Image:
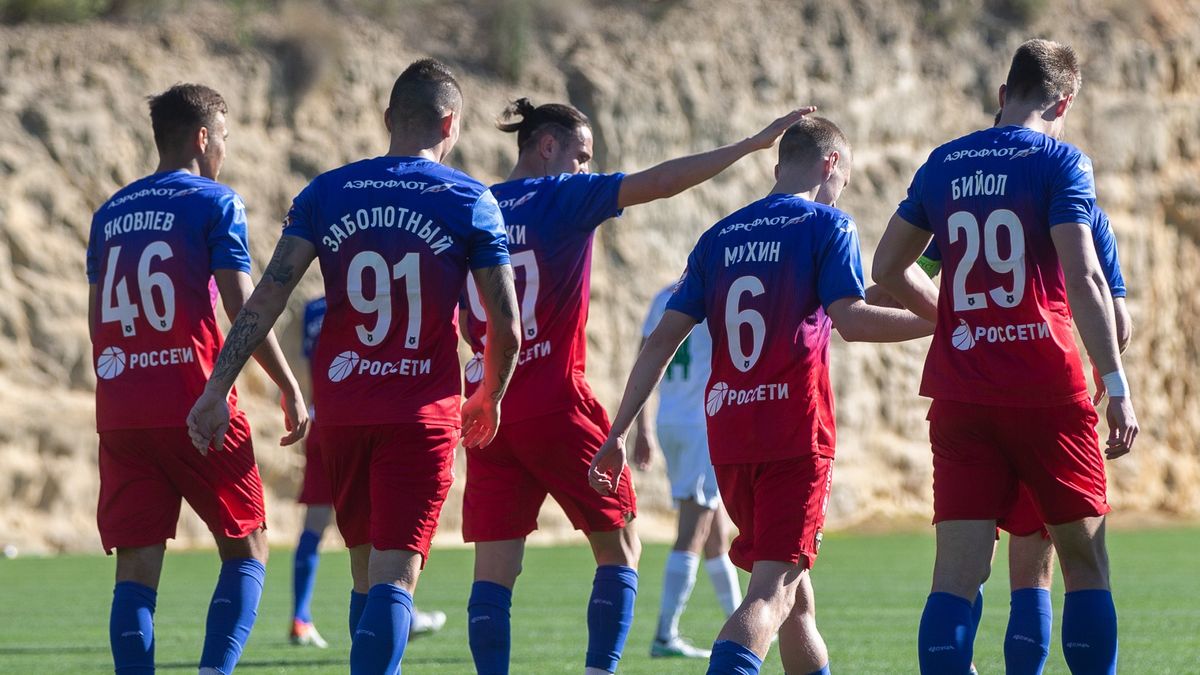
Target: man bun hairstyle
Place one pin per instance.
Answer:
(812, 139)
(1043, 72)
(180, 111)
(423, 94)
(561, 120)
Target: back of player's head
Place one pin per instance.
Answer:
(423, 94)
(559, 119)
(177, 113)
(1043, 72)
(811, 140)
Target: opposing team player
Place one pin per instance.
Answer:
(772, 279)
(1010, 209)
(156, 249)
(553, 424)
(703, 525)
(317, 496)
(395, 236)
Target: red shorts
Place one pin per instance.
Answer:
(389, 482)
(778, 508)
(982, 454)
(316, 489)
(146, 473)
(509, 479)
(1023, 519)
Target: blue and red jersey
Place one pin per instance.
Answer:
(1004, 334)
(551, 224)
(763, 278)
(395, 239)
(151, 252)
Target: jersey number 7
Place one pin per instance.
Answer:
(523, 260)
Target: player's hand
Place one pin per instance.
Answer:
(480, 420)
(765, 139)
(295, 417)
(1101, 390)
(1122, 425)
(208, 421)
(607, 466)
(644, 449)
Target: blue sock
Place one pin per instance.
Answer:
(358, 602)
(232, 612)
(489, 627)
(304, 574)
(382, 632)
(609, 615)
(822, 671)
(1027, 642)
(1089, 632)
(976, 614)
(731, 658)
(943, 641)
(131, 628)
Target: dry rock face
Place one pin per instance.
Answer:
(659, 79)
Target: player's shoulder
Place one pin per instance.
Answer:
(171, 189)
(412, 174)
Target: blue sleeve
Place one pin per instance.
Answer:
(227, 243)
(314, 316)
(300, 220)
(689, 292)
(488, 245)
(585, 200)
(1106, 250)
(1073, 190)
(839, 267)
(93, 255)
(912, 209)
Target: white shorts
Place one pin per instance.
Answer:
(689, 467)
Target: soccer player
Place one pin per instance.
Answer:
(395, 236)
(553, 424)
(317, 496)
(703, 528)
(772, 279)
(156, 250)
(1010, 209)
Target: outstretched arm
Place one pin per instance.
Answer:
(893, 268)
(481, 412)
(856, 321)
(645, 445)
(676, 175)
(235, 288)
(209, 418)
(673, 328)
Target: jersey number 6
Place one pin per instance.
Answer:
(736, 317)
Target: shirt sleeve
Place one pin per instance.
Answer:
(1073, 190)
(839, 271)
(689, 292)
(228, 246)
(588, 199)
(654, 315)
(1106, 249)
(488, 245)
(300, 220)
(314, 316)
(93, 255)
(912, 209)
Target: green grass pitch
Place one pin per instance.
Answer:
(870, 590)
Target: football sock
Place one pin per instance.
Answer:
(725, 582)
(232, 612)
(131, 628)
(609, 615)
(382, 633)
(976, 613)
(1027, 642)
(822, 671)
(304, 574)
(1089, 632)
(731, 658)
(678, 581)
(489, 628)
(358, 602)
(943, 640)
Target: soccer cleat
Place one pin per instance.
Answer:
(305, 634)
(425, 623)
(676, 648)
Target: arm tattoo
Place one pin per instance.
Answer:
(499, 281)
(280, 270)
(245, 336)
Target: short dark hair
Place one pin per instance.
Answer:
(423, 94)
(1043, 72)
(812, 139)
(559, 119)
(178, 112)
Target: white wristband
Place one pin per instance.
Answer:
(1116, 384)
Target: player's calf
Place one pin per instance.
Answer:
(947, 630)
(801, 647)
(234, 606)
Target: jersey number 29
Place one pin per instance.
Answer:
(964, 225)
